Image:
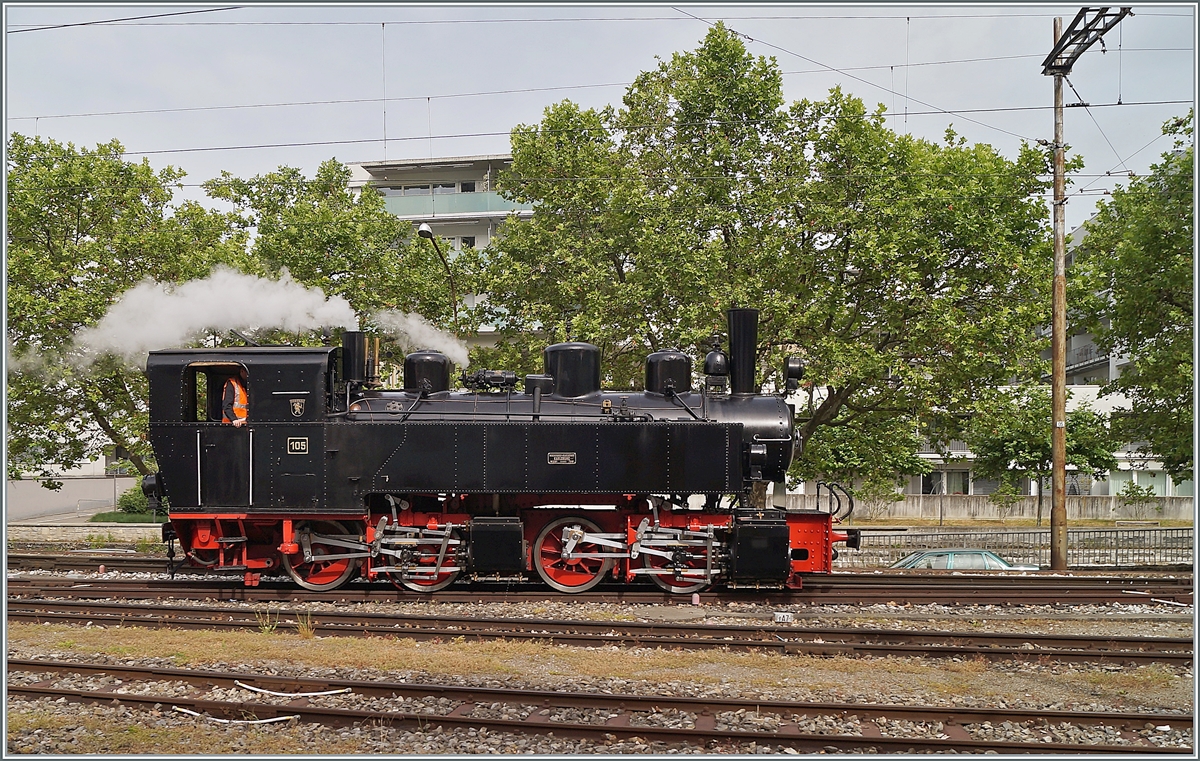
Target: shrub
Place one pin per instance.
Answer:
(133, 501)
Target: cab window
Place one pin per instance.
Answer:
(205, 387)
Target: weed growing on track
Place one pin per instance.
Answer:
(266, 623)
(306, 626)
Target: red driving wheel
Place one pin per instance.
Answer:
(319, 574)
(569, 574)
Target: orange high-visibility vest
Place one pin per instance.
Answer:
(241, 403)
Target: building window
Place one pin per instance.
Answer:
(443, 188)
(931, 483)
(416, 190)
(1079, 484)
(467, 187)
(468, 241)
(957, 482)
(984, 486)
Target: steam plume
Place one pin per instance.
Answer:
(414, 332)
(156, 316)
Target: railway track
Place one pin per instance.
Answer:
(822, 641)
(840, 588)
(807, 727)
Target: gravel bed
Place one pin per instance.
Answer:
(672, 718)
(749, 721)
(1125, 619)
(502, 711)
(396, 741)
(569, 715)
(825, 724)
(856, 693)
(923, 729)
(1044, 731)
(69, 735)
(79, 724)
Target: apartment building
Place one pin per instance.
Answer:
(456, 196)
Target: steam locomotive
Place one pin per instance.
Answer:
(334, 476)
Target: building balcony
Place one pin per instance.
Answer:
(488, 204)
(1085, 357)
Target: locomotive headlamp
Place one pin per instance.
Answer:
(793, 372)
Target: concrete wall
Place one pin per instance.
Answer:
(963, 507)
(107, 533)
(83, 496)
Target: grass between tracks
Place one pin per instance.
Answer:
(97, 736)
(543, 662)
(500, 658)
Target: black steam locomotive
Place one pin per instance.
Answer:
(333, 476)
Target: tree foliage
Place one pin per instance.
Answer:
(1011, 438)
(339, 240)
(84, 226)
(1134, 271)
(910, 275)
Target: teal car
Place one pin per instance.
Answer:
(958, 560)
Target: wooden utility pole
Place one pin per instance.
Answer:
(1089, 25)
(1058, 339)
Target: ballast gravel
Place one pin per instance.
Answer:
(65, 728)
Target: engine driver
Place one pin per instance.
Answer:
(235, 403)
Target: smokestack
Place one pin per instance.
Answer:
(743, 346)
(354, 357)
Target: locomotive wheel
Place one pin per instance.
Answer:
(577, 574)
(442, 581)
(322, 575)
(671, 583)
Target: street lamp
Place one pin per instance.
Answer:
(426, 232)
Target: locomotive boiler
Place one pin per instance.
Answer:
(334, 476)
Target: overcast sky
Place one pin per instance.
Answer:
(250, 88)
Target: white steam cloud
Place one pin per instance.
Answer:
(153, 316)
(414, 332)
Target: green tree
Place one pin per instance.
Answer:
(84, 226)
(1134, 273)
(1011, 439)
(910, 275)
(342, 241)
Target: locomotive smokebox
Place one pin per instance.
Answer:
(668, 369)
(356, 359)
(575, 367)
(743, 347)
(427, 371)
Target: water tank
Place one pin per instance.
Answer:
(668, 368)
(427, 370)
(575, 367)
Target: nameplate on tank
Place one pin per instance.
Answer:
(560, 458)
(297, 445)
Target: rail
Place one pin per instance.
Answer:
(1086, 548)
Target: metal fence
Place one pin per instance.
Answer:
(1086, 548)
